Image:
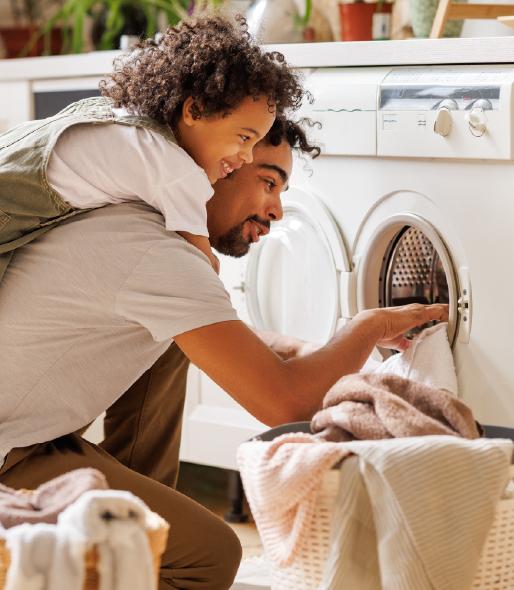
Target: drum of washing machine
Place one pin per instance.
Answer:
(412, 272)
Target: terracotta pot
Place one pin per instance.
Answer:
(15, 39)
(357, 20)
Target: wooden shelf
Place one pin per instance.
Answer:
(448, 10)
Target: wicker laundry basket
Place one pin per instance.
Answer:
(496, 566)
(157, 538)
(495, 571)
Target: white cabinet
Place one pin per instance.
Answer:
(15, 103)
(214, 424)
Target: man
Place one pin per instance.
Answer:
(89, 307)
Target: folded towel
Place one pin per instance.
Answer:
(46, 502)
(429, 504)
(51, 557)
(428, 360)
(115, 522)
(375, 406)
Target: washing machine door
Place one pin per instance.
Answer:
(403, 260)
(293, 276)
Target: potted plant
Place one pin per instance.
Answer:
(22, 38)
(114, 18)
(365, 20)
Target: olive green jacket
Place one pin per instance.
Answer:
(29, 206)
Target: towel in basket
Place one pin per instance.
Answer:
(441, 490)
(105, 539)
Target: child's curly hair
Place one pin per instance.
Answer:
(213, 60)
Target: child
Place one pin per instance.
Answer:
(176, 116)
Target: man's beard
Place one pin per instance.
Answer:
(232, 243)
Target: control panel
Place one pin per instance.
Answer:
(344, 107)
(446, 112)
(421, 112)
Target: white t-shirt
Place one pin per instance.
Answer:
(86, 309)
(95, 165)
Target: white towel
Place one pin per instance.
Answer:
(114, 521)
(253, 571)
(428, 360)
(43, 558)
(414, 513)
(51, 557)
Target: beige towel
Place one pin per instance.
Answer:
(46, 502)
(375, 406)
(417, 510)
(413, 513)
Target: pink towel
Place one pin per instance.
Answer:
(282, 479)
(46, 502)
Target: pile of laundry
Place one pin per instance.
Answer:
(48, 532)
(418, 486)
(409, 394)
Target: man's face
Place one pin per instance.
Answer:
(245, 203)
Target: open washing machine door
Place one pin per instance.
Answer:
(403, 259)
(293, 277)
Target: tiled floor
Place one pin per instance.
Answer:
(208, 486)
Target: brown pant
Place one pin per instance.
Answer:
(140, 454)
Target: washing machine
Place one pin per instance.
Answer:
(412, 200)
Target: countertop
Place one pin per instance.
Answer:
(308, 55)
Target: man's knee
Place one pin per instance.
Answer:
(228, 557)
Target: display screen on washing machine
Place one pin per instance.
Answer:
(428, 89)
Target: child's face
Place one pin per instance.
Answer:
(220, 144)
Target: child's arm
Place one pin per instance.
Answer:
(203, 244)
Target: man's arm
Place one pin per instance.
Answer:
(276, 390)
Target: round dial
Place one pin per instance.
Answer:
(477, 121)
(443, 122)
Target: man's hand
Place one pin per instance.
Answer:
(394, 322)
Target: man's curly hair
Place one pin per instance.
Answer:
(284, 129)
(212, 59)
